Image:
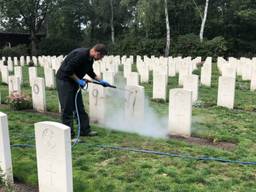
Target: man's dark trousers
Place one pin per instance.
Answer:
(67, 91)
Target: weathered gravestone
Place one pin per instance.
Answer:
(5, 150)
(180, 112)
(38, 95)
(226, 92)
(134, 103)
(54, 159)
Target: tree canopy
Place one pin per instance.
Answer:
(135, 26)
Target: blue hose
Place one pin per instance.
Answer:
(182, 156)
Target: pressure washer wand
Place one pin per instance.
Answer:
(98, 83)
(111, 86)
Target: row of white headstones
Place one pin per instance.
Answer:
(52, 167)
(180, 104)
(53, 152)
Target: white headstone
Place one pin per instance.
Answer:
(5, 150)
(15, 61)
(32, 74)
(28, 60)
(171, 67)
(127, 68)
(22, 61)
(38, 95)
(14, 84)
(4, 74)
(18, 73)
(206, 74)
(191, 84)
(253, 80)
(226, 92)
(49, 77)
(180, 112)
(134, 103)
(184, 70)
(132, 79)
(229, 71)
(10, 64)
(159, 86)
(54, 159)
(144, 73)
(34, 59)
(109, 77)
(97, 104)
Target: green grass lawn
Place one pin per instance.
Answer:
(103, 169)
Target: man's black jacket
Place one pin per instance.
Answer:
(77, 62)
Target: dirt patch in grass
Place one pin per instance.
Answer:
(18, 187)
(205, 142)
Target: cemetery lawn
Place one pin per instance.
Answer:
(103, 169)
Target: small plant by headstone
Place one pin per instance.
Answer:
(19, 101)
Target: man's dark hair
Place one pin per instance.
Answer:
(100, 48)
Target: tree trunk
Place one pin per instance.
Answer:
(168, 38)
(112, 22)
(33, 43)
(201, 35)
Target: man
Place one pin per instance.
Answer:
(69, 77)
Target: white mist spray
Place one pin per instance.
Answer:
(152, 125)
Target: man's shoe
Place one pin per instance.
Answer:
(90, 134)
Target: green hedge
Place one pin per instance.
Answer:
(56, 46)
(17, 51)
(190, 45)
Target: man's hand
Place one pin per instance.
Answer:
(104, 83)
(81, 82)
